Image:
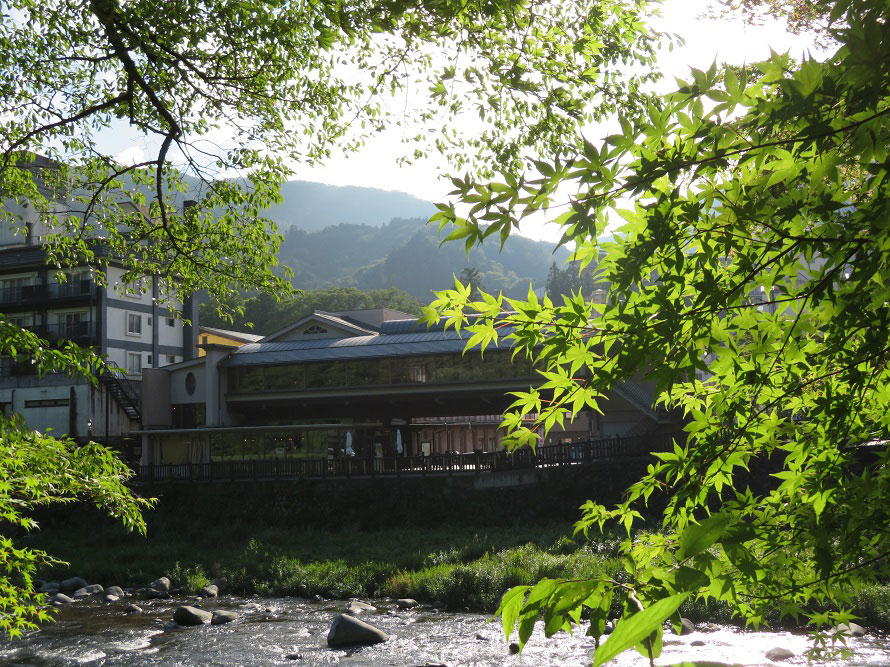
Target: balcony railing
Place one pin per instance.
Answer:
(34, 293)
(78, 332)
(551, 456)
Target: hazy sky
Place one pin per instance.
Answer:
(730, 41)
(376, 165)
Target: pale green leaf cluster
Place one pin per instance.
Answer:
(38, 470)
(751, 283)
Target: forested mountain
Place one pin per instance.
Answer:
(405, 253)
(314, 206)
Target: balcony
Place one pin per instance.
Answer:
(22, 294)
(83, 332)
(27, 294)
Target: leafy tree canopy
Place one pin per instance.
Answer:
(266, 314)
(217, 88)
(750, 281)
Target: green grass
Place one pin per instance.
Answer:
(465, 568)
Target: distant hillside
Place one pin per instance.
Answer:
(406, 254)
(314, 206)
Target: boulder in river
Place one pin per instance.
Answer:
(61, 598)
(778, 654)
(161, 584)
(115, 590)
(687, 627)
(349, 631)
(132, 609)
(850, 629)
(187, 615)
(210, 591)
(51, 587)
(87, 591)
(406, 603)
(357, 607)
(223, 616)
(110, 598)
(72, 584)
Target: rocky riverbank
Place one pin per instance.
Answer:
(350, 623)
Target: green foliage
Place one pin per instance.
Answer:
(266, 314)
(38, 470)
(750, 283)
(192, 579)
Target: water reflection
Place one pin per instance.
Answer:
(286, 631)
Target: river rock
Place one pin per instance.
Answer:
(778, 654)
(707, 627)
(348, 630)
(162, 584)
(115, 590)
(850, 629)
(294, 656)
(61, 598)
(697, 642)
(87, 591)
(51, 587)
(210, 591)
(687, 627)
(514, 647)
(152, 594)
(406, 603)
(357, 607)
(72, 584)
(110, 598)
(223, 616)
(187, 615)
(132, 609)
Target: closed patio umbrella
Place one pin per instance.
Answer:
(399, 449)
(349, 450)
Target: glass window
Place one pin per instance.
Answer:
(134, 362)
(283, 378)
(329, 374)
(170, 321)
(365, 372)
(134, 324)
(314, 329)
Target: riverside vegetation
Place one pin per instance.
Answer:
(464, 568)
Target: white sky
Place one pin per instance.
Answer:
(706, 40)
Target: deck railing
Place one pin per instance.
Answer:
(548, 456)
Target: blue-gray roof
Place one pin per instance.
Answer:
(357, 347)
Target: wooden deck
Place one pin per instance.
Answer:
(550, 456)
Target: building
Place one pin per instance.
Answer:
(360, 383)
(122, 323)
(214, 336)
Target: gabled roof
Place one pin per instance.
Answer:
(234, 335)
(356, 347)
(322, 318)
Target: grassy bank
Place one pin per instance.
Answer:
(465, 568)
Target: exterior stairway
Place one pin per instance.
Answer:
(116, 383)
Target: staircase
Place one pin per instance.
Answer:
(122, 390)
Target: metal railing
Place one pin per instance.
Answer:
(35, 293)
(549, 456)
(79, 332)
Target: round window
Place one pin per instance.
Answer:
(190, 383)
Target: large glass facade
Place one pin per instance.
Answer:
(438, 369)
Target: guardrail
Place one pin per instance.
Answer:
(548, 456)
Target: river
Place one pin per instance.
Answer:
(292, 631)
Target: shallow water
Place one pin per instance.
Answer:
(272, 629)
